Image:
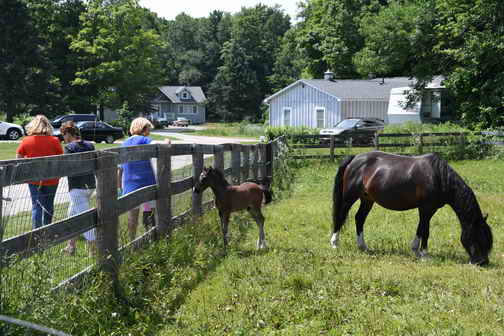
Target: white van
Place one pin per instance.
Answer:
(398, 112)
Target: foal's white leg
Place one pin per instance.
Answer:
(335, 239)
(361, 243)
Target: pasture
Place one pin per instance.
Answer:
(300, 285)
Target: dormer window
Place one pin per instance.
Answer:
(185, 95)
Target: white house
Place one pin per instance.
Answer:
(180, 101)
(324, 102)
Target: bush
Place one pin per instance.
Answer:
(293, 134)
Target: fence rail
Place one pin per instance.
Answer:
(378, 141)
(246, 160)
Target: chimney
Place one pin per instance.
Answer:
(329, 75)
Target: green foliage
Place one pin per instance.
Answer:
(291, 133)
(119, 48)
(467, 147)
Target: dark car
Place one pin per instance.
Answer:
(96, 131)
(360, 130)
(56, 123)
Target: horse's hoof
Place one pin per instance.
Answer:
(415, 244)
(422, 254)
(364, 248)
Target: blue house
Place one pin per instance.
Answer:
(322, 103)
(172, 102)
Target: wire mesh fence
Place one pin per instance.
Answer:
(47, 264)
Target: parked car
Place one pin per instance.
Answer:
(181, 122)
(361, 130)
(96, 131)
(56, 122)
(10, 131)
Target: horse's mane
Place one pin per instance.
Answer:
(455, 191)
(220, 176)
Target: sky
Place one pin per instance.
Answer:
(201, 8)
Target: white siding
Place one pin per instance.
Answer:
(303, 100)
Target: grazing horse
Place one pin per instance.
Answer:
(228, 199)
(400, 183)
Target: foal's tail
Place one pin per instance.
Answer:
(338, 193)
(268, 195)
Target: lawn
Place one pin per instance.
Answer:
(300, 285)
(237, 130)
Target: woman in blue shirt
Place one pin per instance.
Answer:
(138, 174)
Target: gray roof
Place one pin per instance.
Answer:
(376, 88)
(360, 88)
(172, 93)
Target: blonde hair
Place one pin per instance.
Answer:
(138, 125)
(39, 125)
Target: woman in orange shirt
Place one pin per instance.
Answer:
(40, 142)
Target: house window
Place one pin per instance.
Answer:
(186, 95)
(188, 109)
(287, 116)
(320, 117)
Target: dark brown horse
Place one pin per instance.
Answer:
(399, 183)
(228, 199)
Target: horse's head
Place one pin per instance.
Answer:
(478, 242)
(204, 180)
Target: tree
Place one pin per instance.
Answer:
(20, 57)
(54, 21)
(329, 35)
(248, 60)
(289, 62)
(119, 54)
(471, 46)
(395, 39)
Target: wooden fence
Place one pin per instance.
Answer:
(247, 161)
(384, 141)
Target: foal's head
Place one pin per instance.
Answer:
(209, 177)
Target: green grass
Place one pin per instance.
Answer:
(300, 285)
(237, 130)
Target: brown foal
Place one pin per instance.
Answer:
(228, 199)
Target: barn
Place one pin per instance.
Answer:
(325, 102)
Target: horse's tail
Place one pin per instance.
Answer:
(268, 195)
(338, 193)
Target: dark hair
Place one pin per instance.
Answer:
(68, 127)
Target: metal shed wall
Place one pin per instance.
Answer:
(364, 107)
(303, 100)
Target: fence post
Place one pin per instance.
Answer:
(262, 161)
(2, 182)
(332, 147)
(246, 162)
(163, 211)
(235, 163)
(255, 162)
(377, 141)
(269, 160)
(197, 199)
(420, 144)
(219, 158)
(107, 227)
